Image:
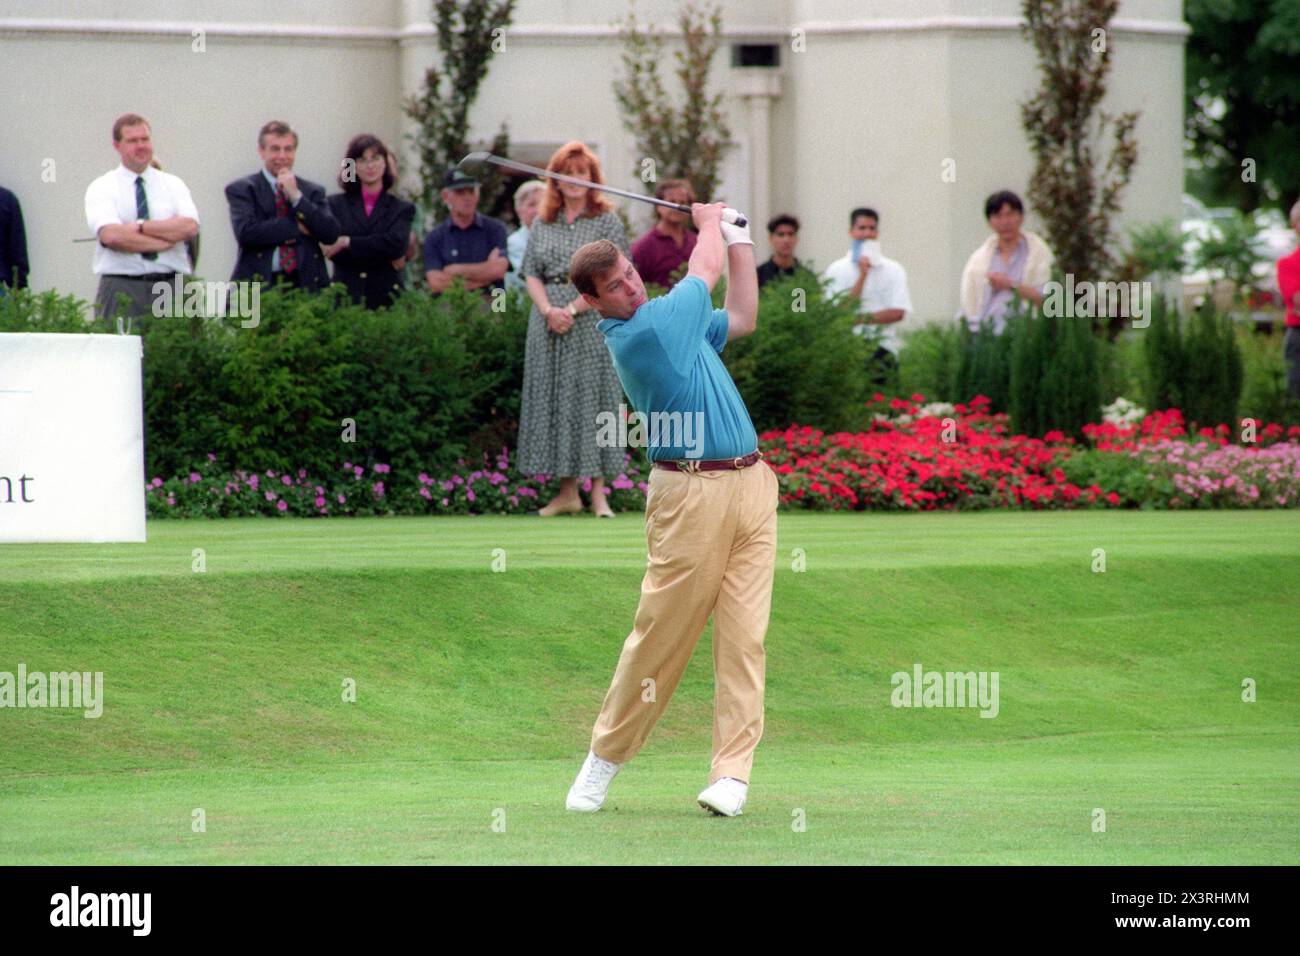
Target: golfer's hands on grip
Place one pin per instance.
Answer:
(705, 214)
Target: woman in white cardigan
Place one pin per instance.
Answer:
(1010, 259)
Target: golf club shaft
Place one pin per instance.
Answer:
(730, 215)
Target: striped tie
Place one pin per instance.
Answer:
(142, 210)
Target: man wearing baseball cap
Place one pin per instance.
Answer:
(710, 507)
(467, 243)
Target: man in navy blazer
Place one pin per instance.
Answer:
(279, 220)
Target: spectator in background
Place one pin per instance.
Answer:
(569, 377)
(278, 218)
(1011, 260)
(374, 225)
(14, 266)
(661, 254)
(467, 243)
(782, 236)
(1288, 281)
(528, 200)
(877, 282)
(142, 218)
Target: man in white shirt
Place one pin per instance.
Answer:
(142, 217)
(879, 284)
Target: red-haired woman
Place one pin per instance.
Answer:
(569, 378)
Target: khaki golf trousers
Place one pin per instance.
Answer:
(711, 542)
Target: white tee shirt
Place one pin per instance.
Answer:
(110, 200)
(885, 288)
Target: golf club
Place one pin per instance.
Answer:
(476, 160)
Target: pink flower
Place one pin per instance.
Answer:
(424, 493)
(286, 480)
(320, 502)
(469, 495)
(382, 469)
(444, 502)
(270, 496)
(282, 505)
(378, 489)
(195, 477)
(171, 500)
(358, 471)
(157, 482)
(342, 498)
(211, 457)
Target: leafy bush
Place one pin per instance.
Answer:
(425, 382)
(1264, 396)
(804, 364)
(22, 310)
(930, 363)
(1194, 365)
(1055, 382)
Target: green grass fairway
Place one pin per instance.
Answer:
(476, 691)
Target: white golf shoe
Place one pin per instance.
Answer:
(726, 798)
(589, 789)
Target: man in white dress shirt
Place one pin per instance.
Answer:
(142, 217)
(879, 284)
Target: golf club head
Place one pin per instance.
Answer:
(473, 162)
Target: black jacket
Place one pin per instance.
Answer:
(13, 242)
(365, 267)
(259, 231)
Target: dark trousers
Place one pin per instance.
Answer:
(120, 299)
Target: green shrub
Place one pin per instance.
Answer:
(930, 363)
(22, 310)
(1055, 375)
(1163, 358)
(985, 367)
(1213, 374)
(1264, 396)
(804, 364)
(1194, 365)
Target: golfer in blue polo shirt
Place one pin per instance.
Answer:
(710, 507)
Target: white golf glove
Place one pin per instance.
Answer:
(734, 234)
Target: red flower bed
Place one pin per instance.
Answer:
(914, 458)
(965, 460)
(1168, 424)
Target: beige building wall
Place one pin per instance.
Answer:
(870, 100)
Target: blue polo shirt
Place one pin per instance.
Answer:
(448, 244)
(667, 357)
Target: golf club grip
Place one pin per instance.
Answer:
(735, 217)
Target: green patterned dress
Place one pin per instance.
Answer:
(568, 379)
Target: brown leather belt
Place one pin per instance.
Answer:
(716, 464)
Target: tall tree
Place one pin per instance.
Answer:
(686, 141)
(1073, 193)
(470, 33)
(1243, 100)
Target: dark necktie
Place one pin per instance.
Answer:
(288, 254)
(142, 210)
